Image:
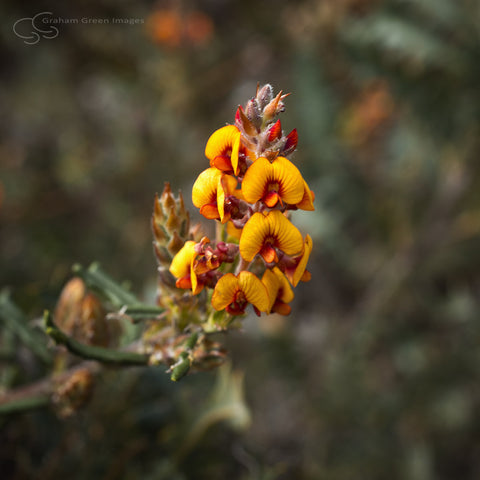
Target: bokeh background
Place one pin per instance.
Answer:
(375, 374)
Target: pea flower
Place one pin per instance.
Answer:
(250, 189)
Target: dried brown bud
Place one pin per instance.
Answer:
(81, 315)
(73, 392)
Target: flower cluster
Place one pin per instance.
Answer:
(250, 189)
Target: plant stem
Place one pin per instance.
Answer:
(91, 352)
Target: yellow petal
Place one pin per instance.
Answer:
(224, 293)
(255, 180)
(285, 291)
(302, 264)
(233, 232)
(270, 229)
(221, 142)
(235, 152)
(288, 237)
(272, 284)
(254, 290)
(204, 189)
(226, 186)
(281, 176)
(180, 266)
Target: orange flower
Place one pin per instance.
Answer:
(263, 233)
(223, 148)
(297, 271)
(234, 293)
(279, 291)
(273, 182)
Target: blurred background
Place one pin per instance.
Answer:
(375, 374)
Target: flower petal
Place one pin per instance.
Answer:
(221, 142)
(253, 236)
(274, 229)
(224, 293)
(226, 186)
(255, 181)
(180, 266)
(254, 290)
(306, 203)
(204, 189)
(235, 152)
(288, 237)
(281, 176)
(233, 232)
(272, 284)
(285, 292)
(302, 264)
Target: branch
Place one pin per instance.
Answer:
(91, 352)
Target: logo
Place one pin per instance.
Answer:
(34, 28)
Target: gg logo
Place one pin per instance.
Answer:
(30, 29)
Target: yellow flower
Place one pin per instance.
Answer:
(279, 291)
(204, 192)
(272, 182)
(223, 148)
(234, 293)
(297, 271)
(181, 266)
(209, 192)
(265, 232)
(225, 189)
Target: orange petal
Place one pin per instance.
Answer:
(273, 228)
(210, 211)
(180, 266)
(281, 176)
(281, 308)
(271, 199)
(306, 277)
(221, 142)
(269, 254)
(224, 293)
(222, 162)
(254, 290)
(184, 282)
(204, 190)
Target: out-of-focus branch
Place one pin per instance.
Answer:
(117, 295)
(15, 321)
